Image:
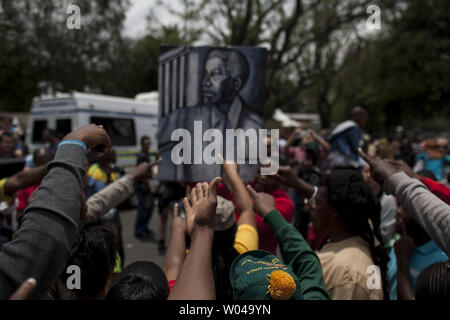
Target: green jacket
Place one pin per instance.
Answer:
(299, 255)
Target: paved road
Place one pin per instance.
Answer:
(135, 249)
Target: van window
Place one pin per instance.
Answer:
(38, 127)
(121, 131)
(63, 126)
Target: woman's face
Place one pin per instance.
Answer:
(322, 212)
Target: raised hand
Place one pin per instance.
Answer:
(201, 206)
(263, 203)
(95, 138)
(379, 168)
(143, 169)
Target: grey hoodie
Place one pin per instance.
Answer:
(41, 247)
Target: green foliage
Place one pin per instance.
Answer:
(317, 61)
(403, 77)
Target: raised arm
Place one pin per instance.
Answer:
(41, 247)
(196, 281)
(430, 212)
(242, 198)
(117, 192)
(176, 251)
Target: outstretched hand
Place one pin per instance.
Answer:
(143, 170)
(200, 206)
(263, 203)
(95, 138)
(380, 169)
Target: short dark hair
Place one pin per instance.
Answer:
(236, 62)
(42, 156)
(223, 255)
(144, 138)
(94, 251)
(133, 287)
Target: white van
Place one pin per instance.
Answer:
(126, 120)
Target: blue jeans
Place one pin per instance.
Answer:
(144, 214)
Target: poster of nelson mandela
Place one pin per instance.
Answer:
(223, 87)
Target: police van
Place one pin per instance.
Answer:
(126, 120)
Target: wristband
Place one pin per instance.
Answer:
(76, 142)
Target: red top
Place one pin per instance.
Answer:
(283, 204)
(23, 196)
(437, 188)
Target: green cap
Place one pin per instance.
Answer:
(259, 275)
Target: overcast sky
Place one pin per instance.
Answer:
(136, 23)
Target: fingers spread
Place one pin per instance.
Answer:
(205, 189)
(188, 191)
(193, 197)
(186, 205)
(199, 191)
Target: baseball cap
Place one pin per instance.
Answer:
(259, 275)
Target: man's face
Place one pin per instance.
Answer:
(7, 145)
(217, 85)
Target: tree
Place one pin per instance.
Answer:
(306, 41)
(404, 75)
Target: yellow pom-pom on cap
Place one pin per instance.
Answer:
(281, 285)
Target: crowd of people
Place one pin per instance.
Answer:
(346, 217)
